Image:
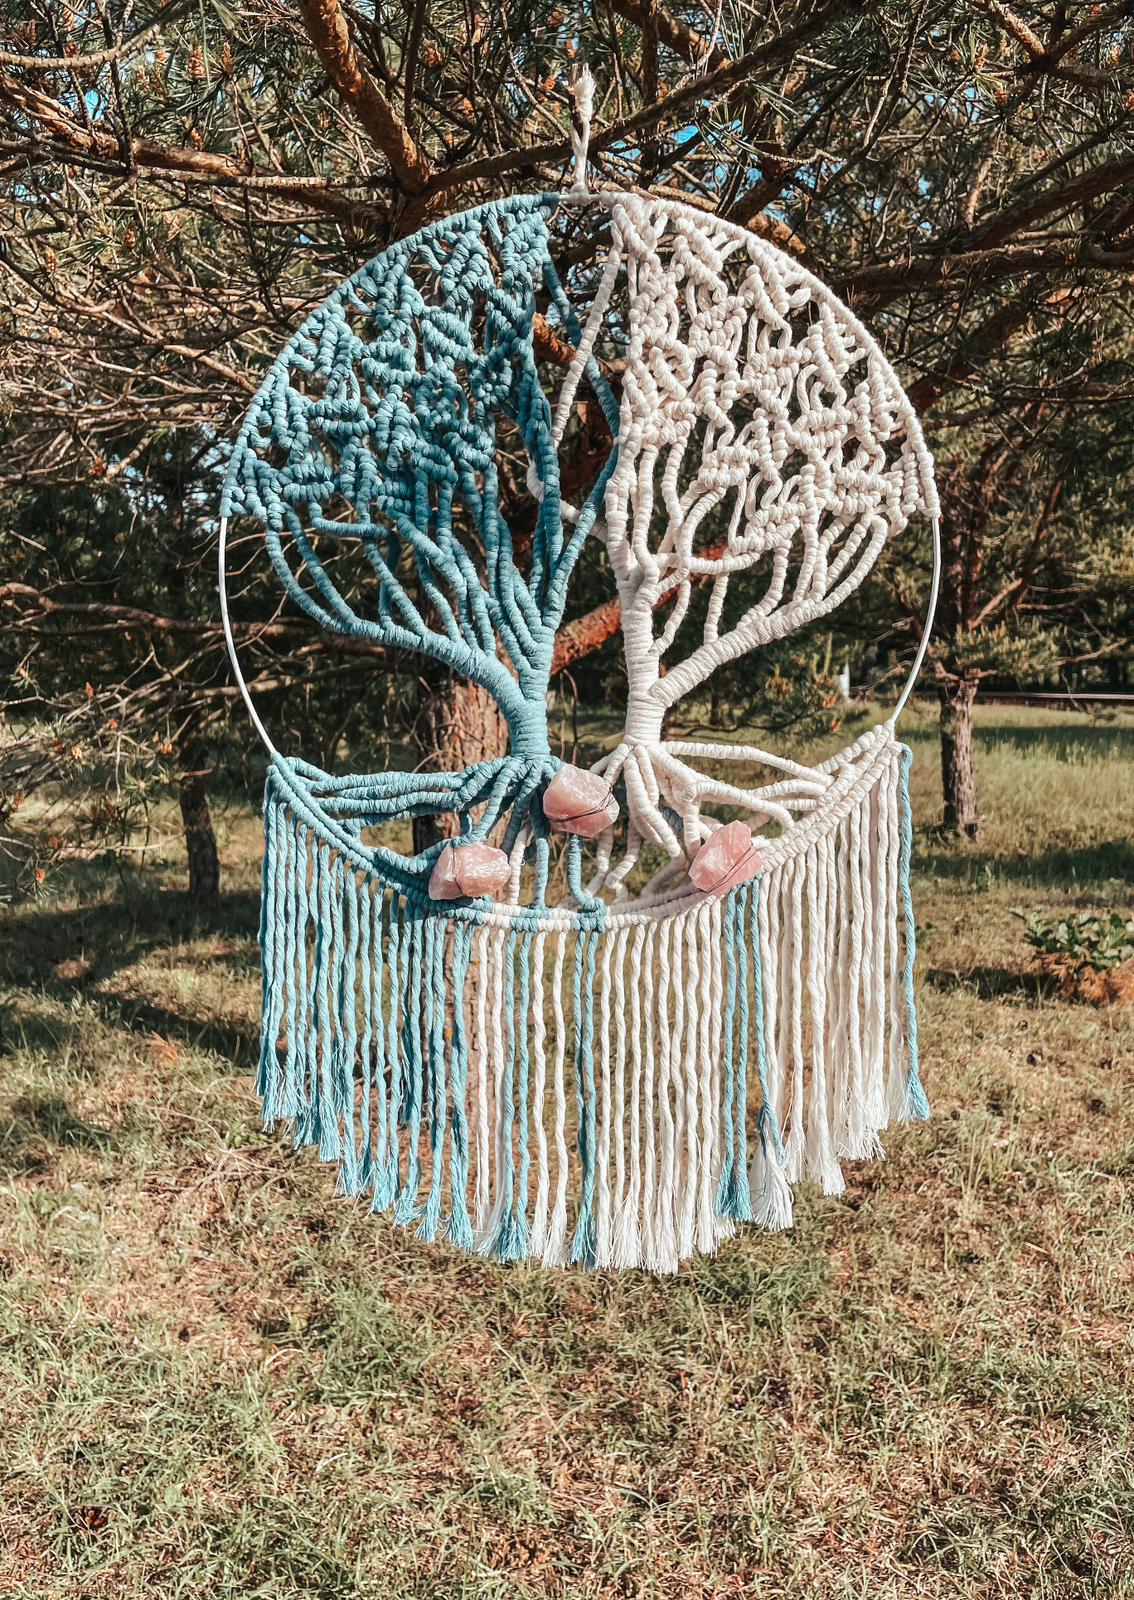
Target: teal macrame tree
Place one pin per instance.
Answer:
(379, 425)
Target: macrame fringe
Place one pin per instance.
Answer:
(613, 1090)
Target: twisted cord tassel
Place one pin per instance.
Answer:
(584, 94)
(429, 1050)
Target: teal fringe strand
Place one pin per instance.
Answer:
(459, 1226)
(434, 1027)
(380, 946)
(733, 1198)
(415, 1022)
(585, 1242)
(306, 1068)
(388, 1178)
(289, 1098)
(767, 1122)
(272, 886)
(350, 1172)
(366, 962)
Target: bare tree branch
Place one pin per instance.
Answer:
(765, 58)
(184, 163)
(674, 34)
(91, 61)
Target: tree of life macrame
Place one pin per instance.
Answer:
(721, 1005)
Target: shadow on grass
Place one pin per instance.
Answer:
(1059, 741)
(1086, 741)
(238, 1045)
(995, 983)
(24, 1028)
(112, 932)
(1096, 866)
(34, 1125)
(60, 952)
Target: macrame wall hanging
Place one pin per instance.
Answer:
(622, 1010)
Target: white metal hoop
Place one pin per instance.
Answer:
(927, 627)
(226, 623)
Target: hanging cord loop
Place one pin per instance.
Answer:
(584, 93)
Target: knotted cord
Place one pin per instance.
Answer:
(764, 452)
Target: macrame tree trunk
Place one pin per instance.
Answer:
(958, 768)
(197, 822)
(458, 725)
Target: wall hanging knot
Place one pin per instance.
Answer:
(621, 1011)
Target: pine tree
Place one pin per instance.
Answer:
(182, 186)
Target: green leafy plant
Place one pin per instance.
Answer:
(1098, 942)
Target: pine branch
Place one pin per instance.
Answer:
(764, 59)
(580, 638)
(1110, 177)
(84, 62)
(70, 141)
(1040, 58)
(1099, 19)
(980, 346)
(673, 33)
(979, 266)
(31, 609)
(327, 27)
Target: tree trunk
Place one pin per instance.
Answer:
(958, 771)
(458, 724)
(196, 818)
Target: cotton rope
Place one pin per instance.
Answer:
(619, 1076)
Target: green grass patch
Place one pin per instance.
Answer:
(218, 1380)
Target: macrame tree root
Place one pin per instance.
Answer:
(665, 800)
(497, 797)
(611, 1088)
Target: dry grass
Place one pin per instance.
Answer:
(217, 1380)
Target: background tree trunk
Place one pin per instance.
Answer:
(458, 724)
(197, 821)
(958, 770)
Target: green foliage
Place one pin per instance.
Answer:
(1025, 649)
(1098, 942)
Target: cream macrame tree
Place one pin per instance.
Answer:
(751, 398)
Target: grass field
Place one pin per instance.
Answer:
(216, 1380)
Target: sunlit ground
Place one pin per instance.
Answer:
(217, 1379)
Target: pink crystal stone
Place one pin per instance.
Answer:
(468, 870)
(576, 801)
(727, 857)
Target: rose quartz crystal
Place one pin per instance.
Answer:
(727, 858)
(468, 870)
(576, 801)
